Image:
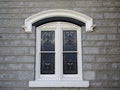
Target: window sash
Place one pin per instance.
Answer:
(59, 53)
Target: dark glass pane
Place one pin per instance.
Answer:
(70, 63)
(47, 41)
(69, 40)
(47, 63)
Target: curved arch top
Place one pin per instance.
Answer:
(58, 13)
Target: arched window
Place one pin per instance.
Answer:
(58, 48)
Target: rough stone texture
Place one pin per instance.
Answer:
(101, 48)
(89, 75)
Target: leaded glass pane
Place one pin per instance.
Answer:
(69, 40)
(47, 41)
(70, 63)
(47, 63)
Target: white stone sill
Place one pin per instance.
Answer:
(58, 83)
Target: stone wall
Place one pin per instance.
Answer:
(101, 48)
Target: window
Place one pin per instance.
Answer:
(59, 55)
(58, 47)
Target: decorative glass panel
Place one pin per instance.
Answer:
(70, 63)
(47, 63)
(47, 41)
(69, 40)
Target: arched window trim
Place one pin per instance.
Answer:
(59, 13)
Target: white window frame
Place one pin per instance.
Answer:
(58, 79)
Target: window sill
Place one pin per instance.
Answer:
(58, 83)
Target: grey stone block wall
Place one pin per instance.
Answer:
(101, 48)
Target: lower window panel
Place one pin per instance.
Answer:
(47, 63)
(70, 63)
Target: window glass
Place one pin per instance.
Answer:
(69, 63)
(47, 52)
(69, 40)
(47, 63)
(47, 41)
(69, 52)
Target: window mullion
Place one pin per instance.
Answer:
(79, 54)
(37, 54)
(58, 51)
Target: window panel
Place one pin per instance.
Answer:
(47, 63)
(69, 40)
(70, 63)
(47, 41)
(47, 52)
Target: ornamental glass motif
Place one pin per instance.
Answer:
(47, 52)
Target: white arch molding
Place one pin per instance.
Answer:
(59, 13)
